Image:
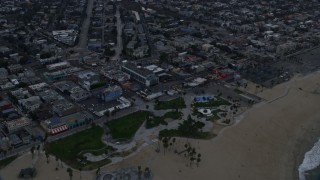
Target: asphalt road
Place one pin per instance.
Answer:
(83, 38)
(119, 47)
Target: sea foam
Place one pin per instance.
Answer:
(311, 160)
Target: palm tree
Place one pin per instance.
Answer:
(47, 155)
(165, 144)
(69, 170)
(80, 169)
(38, 149)
(139, 172)
(57, 159)
(147, 172)
(198, 161)
(98, 171)
(191, 160)
(45, 137)
(32, 151)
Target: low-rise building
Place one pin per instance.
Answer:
(17, 124)
(30, 104)
(38, 87)
(15, 141)
(87, 78)
(110, 93)
(79, 94)
(50, 95)
(54, 125)
(140, 74)
(57, 66)
(7, 85)
(63, 108)
(5, 105)
(21, 93)
(76, 92)
(3, 73)
(55, 76)
(77, 119)
(15, 68)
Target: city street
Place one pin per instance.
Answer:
(119, 47)
(83, 38)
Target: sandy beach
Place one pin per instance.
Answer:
(44, 170)
(267, 144)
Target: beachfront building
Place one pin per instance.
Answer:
(77, 119)
(54, 125)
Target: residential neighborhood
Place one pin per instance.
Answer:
(70, 66)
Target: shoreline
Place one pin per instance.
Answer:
(307, 142)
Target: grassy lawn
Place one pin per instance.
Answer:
(215, 116)
(156, 121)
(126, 127)
(5, 162)
(213, 103)
(177, 103)
(188, 128)
(68, 149)
(173, 115)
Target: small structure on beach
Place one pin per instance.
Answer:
(27, 173)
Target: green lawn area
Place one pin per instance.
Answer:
(188, 128)
(126, 126)
(5, 162)
(215, 116)
(68, 149)
(177, 103)
(213, 103)
(155, 121)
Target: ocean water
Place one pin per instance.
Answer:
(313, 174)
(310, 169)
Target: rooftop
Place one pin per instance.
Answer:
(138, 69)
